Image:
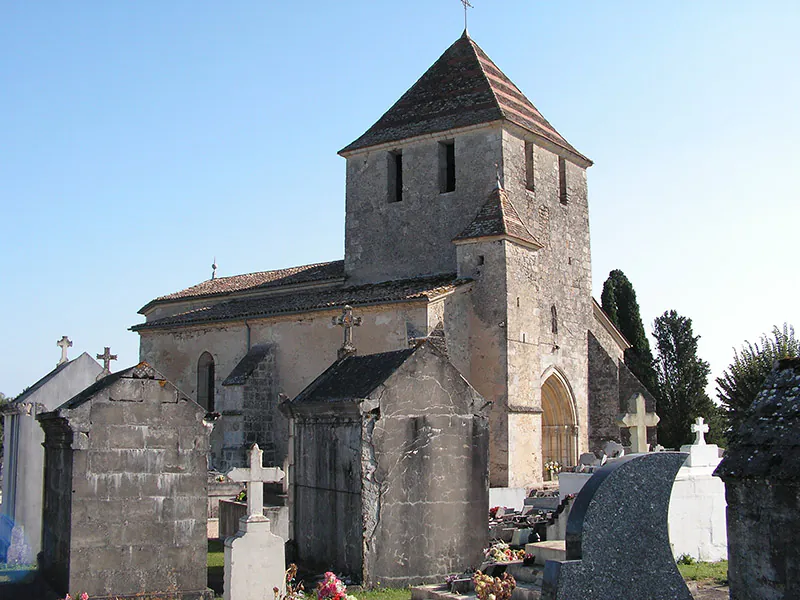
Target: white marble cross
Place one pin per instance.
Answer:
(637, 420)
(255, 477)
(699, 429)
(63, 343)
(347, 321)
(107, 357)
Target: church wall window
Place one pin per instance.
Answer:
(529, 165)
(205, 381)
(554, 319)
(395, 176)
(447, 167)
(562, 180)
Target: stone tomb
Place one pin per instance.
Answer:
(761, 471)
(391, 469)
(125, 494)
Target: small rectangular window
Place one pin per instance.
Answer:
(447, 167)
(395, 176)
(562, 180)
(529, 165)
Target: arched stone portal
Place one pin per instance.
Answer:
(559, 423)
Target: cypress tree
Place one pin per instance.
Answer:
(619, 302)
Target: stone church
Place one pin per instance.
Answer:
(467, 223)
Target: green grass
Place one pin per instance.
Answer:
(705, 571)
(380, 593)
(216, 554)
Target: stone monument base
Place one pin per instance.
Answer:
(254, 561)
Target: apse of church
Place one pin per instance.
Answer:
(467, 217)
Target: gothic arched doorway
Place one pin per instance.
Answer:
(559, 423)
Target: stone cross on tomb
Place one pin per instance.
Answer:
(63, 343)
(107, 357)
(699, 429)
(347, 321)
(637, 420)
(255, 477)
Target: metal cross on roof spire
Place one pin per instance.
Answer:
(63, 343)
(467, 5)
(347, 321)
(107, 357)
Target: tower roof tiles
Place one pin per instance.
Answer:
(462, 88)
(498, 217)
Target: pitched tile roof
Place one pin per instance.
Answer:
(498, 217)
(462, 88)
(261, 280)
(353, 378)
(425, 288)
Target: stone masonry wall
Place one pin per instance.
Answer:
(263, 422)
(394, 240)
(603, 396)
(138, 487)
(475, 327)
(57, 510)
(557, 275)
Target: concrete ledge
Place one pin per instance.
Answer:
(544, 551)
(523, 591)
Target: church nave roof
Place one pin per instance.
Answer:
(404, 290)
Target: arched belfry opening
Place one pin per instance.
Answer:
(559, 423)
(205, 381)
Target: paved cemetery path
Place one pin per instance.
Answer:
(708, 590)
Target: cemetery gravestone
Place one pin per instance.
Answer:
(617, 543)
(125, 491)
(255, 558)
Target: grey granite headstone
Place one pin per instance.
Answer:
(617, 539)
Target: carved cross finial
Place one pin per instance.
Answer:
(107, 357)
(214, 268)
(255, 476)
(63, 343)
(347, 321)
(467, 5)
(699, 429)
(637, 420)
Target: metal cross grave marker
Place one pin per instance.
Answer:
(347, 321)
(63, 343)
(637, 420)
(699, 429)
(255, 477)
(107, 357)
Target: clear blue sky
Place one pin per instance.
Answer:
(141, 139)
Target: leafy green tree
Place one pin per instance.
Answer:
(682, 380)
(743, 379)
(619, 302)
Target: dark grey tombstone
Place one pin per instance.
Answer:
(617, 540)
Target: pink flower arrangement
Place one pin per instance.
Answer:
(84, 596)
(332, 589)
